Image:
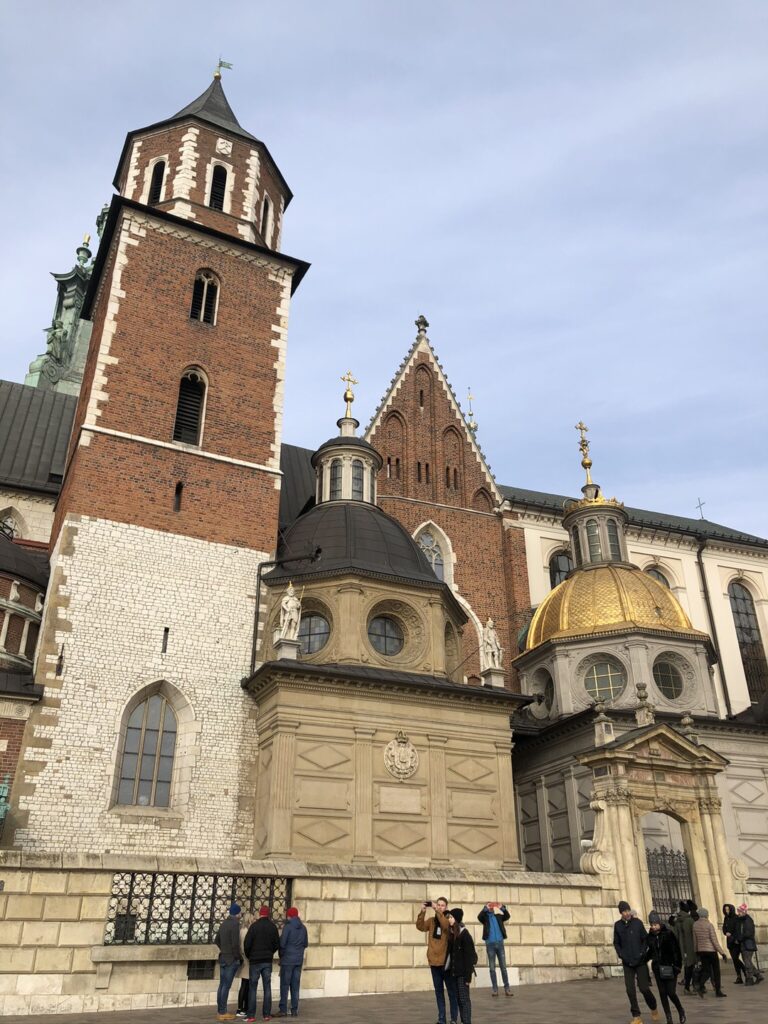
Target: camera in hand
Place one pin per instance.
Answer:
(428, 903)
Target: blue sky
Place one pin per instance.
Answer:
(574, 192)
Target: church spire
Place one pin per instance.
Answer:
(595, 523)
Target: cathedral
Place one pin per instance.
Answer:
(344, 676)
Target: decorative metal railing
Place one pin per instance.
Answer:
(159, 907)
(670, 879)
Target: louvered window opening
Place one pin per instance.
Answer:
(218, 187)
(156, 185)
(189, 411)
(204, 296)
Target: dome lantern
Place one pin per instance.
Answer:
(346, 466)
(595, 524)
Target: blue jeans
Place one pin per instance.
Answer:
(227, 974)
(440, 978)
(263, 971)
(290, 978)
(495, 951)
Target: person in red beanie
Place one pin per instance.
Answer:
(745, 936)
(261, 943)
(293, 942)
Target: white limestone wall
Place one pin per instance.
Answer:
(32, 513)
(114, 590)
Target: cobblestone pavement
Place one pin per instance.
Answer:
(574, 1002)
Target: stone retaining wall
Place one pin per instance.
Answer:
(53, 910)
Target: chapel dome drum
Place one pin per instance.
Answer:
(604, 599)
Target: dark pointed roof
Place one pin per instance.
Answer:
(213, 106)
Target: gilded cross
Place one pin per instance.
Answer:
(586, 462)
(349, 396)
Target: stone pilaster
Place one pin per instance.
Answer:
(283, 787)
(363, 841)
(510, 852)
(438, 798)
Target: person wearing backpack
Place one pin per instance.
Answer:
(745, 936)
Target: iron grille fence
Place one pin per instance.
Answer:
(670, 879)
(158, 907)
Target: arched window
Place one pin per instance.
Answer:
(147, 762)
(614, 544)
(560, 565)
(431, 548)
(156, 184)
(577, 545)
(357, 480)
(266, 218)
(750, 641)
(189, 411)
(218, 187)
(593, 539)
(657, 575)
(205, 298)
(335, 480)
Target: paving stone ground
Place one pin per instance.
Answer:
(573, 1002)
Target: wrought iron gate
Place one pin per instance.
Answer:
(670, 879)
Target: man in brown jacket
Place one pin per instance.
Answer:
(438, 930)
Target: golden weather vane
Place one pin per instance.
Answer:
(472, 422)
(349, 396)
(219, 66)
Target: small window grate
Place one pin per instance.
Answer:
(201, 970)
(189, 410)
(218, 187)
(156, 185)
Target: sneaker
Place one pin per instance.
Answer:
(250, 1020)
(494, 992)
(720, 995)
(508, 991)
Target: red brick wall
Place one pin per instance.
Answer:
(420, 429)
(153, 343)
(12, 731)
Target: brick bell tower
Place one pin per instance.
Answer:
(169, 501)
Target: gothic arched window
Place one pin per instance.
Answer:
(335, 480)
(147, 762)
(431, 548)
(266, 220)
(657, 575)
(218, 187)
(560, 565)
(188, 425)
(750, 641)
(156, 184)
(205, 298)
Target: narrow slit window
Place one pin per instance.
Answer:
(397, 468)
(205, 298)
(426, 472)
(177, 496)
(418, 472)
(421, 398)
(448, 478)
(389, 466)
(218, 187)
(266, 211)
(357, 480)
(189, 411)
(455, 479)
(335, 480)
(156, 184)
(164, 648)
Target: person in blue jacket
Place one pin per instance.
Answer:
(293, 942)
(492, 918)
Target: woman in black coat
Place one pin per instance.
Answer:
(730, 926)
(462, 961)
(666, 961)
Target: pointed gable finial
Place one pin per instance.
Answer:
(471, 421)
(421, 326)
(219, 66)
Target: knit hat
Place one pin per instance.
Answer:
(703, 912)
(654, 918)
(292, 912)
(457, 914)
(263, 911)
(623, 905)
(683, 904)
(234, 909)
(741, 909)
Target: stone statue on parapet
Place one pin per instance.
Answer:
(290, 614)
(492, 649)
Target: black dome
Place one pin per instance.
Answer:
(353, 536)
(21, 564)
(346, 442)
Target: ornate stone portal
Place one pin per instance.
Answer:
(656, 769)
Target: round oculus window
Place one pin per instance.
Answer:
(313, 632)
(385, 635)
(669, 679)
(604, 681)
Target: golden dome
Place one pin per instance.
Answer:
(604, 599)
